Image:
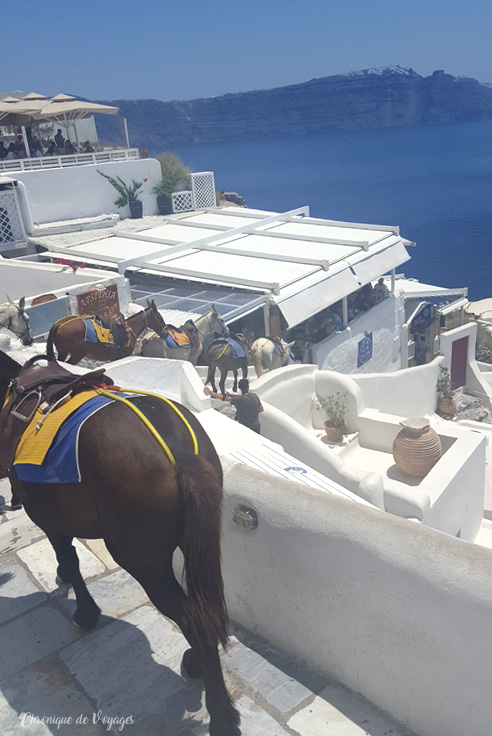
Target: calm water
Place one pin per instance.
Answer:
(435, 182)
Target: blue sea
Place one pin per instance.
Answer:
(434, 181)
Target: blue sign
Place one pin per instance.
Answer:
(424, 318)
(365, 349)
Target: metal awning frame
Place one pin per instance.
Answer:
(257, 228)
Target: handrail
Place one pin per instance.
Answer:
(76, 159)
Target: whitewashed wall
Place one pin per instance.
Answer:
(449, 498)
(384, 320)
(79, 191)
(396, 612)
(410, 392)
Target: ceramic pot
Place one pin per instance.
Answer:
(417, 447)
(136, 208)
(332, 433)
(447, 406)
(165, 205)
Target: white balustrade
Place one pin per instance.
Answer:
(76, 159)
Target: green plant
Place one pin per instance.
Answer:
(443, 384)
(127, 193)
(174, 175)
(335, 407)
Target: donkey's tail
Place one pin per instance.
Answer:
(51, 338)
(201, 497)
(258, 358)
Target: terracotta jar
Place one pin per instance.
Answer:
(417, 447)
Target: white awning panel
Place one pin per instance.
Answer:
(307, 302)
(376, 264)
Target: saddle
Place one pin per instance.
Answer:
(279, 347)
(46, 387)
(117, 327)
(187, 331)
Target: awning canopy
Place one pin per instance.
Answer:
(303, 264)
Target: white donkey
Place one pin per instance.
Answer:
(15, 319)
(270, 353)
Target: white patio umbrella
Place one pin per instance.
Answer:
(17, 112)
(11, 109)
(66, 110)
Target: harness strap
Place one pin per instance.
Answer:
(78, 316)
(223, 351)
(147, 423)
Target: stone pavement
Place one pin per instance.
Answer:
(128, 668)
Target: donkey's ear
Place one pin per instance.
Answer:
(10, 300)
(22, 302)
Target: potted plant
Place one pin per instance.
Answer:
(335, 407)
(174, 175)
(447, 402)
(128, 194)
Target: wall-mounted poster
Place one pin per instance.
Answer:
(103, 302)
(365, 349)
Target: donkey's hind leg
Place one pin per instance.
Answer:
(87, 612)
(202, 660)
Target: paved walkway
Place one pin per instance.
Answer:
(128, 667)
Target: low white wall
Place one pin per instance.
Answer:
(384, 320)
(79, 191)
(449, 498)
(396, 612)
(409, 392)
(174, 379)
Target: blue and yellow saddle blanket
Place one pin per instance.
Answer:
(237, 349)
(48, 450)
(176, 339)
(94, 332)
(276, 348)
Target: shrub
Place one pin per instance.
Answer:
(335, 407)
(174, 175)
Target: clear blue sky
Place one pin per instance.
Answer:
(167, 49)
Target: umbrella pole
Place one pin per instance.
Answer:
(76, 136)
(26, 143)
(125, 130)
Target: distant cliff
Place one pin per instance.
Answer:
(374, 98)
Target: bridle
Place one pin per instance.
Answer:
(8, 326)
(221, 323)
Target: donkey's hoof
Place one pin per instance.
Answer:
(190, 666)
(86, 620)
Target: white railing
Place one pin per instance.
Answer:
(76, 159)
(200, 196)
(12, 231)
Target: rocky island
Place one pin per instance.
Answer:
(372, 98)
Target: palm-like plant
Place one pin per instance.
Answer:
(127, 193)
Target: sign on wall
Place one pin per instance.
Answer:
(424, 318)
(364, 349)
(103, 302)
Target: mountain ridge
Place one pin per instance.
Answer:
(369, 98)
